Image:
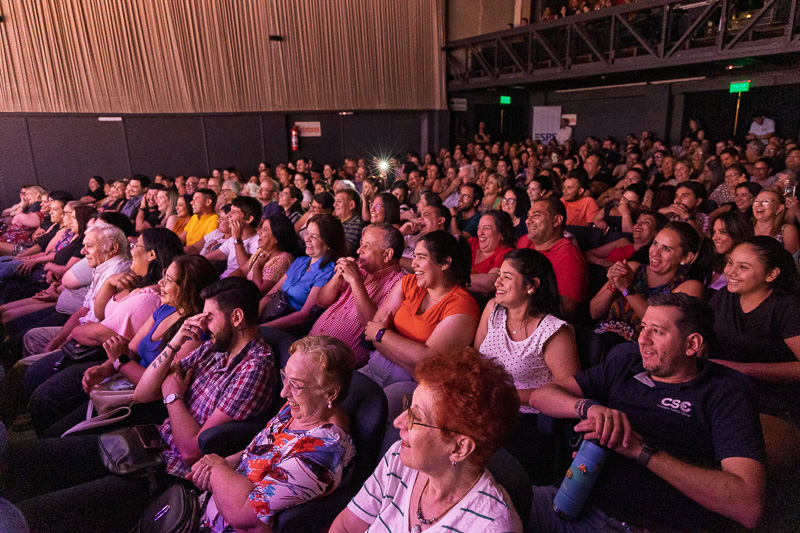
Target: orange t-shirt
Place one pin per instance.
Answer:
(581, 212)
(419, 327)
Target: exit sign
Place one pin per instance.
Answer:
(740, 86)
(505, 100)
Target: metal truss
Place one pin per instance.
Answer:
(643, 35)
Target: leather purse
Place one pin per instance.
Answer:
(176, 510)
(112, 399)
(133, 451)
(79, 352)
(277, 306)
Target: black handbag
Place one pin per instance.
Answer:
(177, 510)
(277, 306)
(133, 451)
(79, 352)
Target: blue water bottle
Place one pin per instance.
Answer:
(580, 478)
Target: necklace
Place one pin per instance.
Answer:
(524, 322)
(436, 300)
(427, 521)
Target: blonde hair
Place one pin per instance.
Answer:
(334, 358)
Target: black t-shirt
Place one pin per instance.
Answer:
(71, 250)
(47, 236)
(760, 337)
(702, 421)
(99, 194)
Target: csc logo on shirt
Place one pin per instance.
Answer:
(677, 405)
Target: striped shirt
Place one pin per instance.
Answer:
(384, 502)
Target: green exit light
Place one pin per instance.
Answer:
(740, 86)
(505, 100)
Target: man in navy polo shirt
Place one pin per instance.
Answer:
(689, 449)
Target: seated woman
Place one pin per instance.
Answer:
(757, 329)
(648, 224)
(26, 218)
(492, 193)
(322, 204)
(96, 191)
(436, 475)
(385, 208)
(679, 262)
(429, 311)
(729, 231)
(618, 215)
(115, 198)
(541, 186)
(122, 305)
(183, 213)
(521, 328)
(726, 191)
(180, 288)
(325, 244)
(33, 277)
(290, 199)
(495, 239)
(45, 250)
(302, 181)
(517, 204)
(769, 209)
(299, 456)
(277, 249)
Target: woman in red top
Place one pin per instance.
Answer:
(495, 239)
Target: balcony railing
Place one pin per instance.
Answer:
(643, 35)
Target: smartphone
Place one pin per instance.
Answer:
(789, 191)
(150, 437)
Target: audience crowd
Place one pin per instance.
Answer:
(490, 290)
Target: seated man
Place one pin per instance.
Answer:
(347, 208)
(203, 221)
(355, 291)
(686, 447)
(580, 209)
(686, 207)
(465, 217)
(546, 234)
(230, 377)
(244, 217)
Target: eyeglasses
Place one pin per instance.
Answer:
(411, 421)
(165, 278)
(295, 388)
(509, 200)
(135, 244)
(466, 197)
(765, 201)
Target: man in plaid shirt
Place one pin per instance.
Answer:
(230, 377)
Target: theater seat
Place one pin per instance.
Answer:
(366, 405)
(512, 476)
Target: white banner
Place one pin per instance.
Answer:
(546, 122)
(309, 129)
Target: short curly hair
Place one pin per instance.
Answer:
(474, 395)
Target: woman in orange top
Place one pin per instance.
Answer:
(495, 239)
(429, 311)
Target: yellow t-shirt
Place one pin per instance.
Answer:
(197, 228)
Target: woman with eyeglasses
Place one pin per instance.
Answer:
(517, 204)
(435, 476)
(385, 208)
(769, 210)
(179, 289)
(726, 191)
(322, 204)
(299, 456)
(122, 305)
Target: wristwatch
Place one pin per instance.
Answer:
(123, 359)
(645, 454)
(379, 335)
(626, 291)
(171, 398)
(240, 241)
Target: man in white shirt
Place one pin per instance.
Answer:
(243, 218)
(565, 133)
(762, 128)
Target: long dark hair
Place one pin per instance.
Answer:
(195, 273)
(523, 204)
(332, 233)
(739, 228)
(166, 245)
(443, 247)
(773, 255)
(283, 231)
(702, 248)
(533, 265)
(391, 208)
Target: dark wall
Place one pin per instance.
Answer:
(62, 151)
